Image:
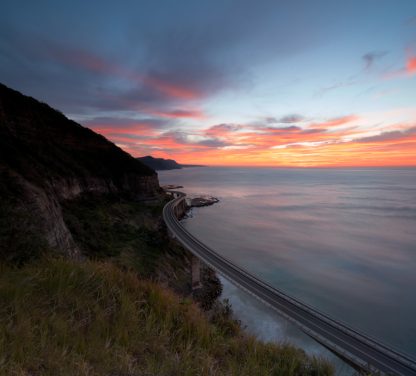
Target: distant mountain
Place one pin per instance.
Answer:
(163, 164)
(159, 163)
(45, 159)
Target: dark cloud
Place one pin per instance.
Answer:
(222, 129)
(313, 130)
(117, 135)
(288, 119)
(371, 57)
(124, 122)
(271, 120)
(186, 139)
(291, 119)
(337, 85)
(291, 128)
(142, 55)
(81, 80)
(213, 142)
(388, 136)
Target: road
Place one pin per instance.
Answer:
(363, 352)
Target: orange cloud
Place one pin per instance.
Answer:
(323, 143)
(336, 121)
(408, 70)
(411, 65)
(395, 148)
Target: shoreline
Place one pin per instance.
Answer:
(293, 335)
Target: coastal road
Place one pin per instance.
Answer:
(360, 350)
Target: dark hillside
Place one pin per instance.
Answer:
(37, 142)
(46, 159)
(160, 163)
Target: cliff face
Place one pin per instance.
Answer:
(46, 158)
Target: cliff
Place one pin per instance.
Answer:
(45, 159)
(160, 163)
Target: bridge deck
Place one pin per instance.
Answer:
(362, 351)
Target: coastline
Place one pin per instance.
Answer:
(274, 328)
(257, 224)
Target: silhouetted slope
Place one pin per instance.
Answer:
(46, 158)
(163, 164)
(34, 135)
(159, 163)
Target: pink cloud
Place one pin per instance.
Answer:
(408, 70)
(87, 60)
(179, 114)
(411, 65)
(336, 121)
(222, 130)
(170, 89)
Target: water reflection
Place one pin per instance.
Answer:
(343, 241)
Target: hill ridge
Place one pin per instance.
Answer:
(46, 158)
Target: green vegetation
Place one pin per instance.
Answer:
(106, 226)
(59, 317)
(130, 234)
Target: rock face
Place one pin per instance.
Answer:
(46, 158)
(202, 201)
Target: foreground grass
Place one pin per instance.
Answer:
(59, 317)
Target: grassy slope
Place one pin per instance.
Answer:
(120, 229)
(102, 320)
(131, 235)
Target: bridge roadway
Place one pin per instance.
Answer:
(357, 348)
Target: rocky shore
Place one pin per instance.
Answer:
(171, 186)
(202, 201)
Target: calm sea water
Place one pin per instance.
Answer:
(341, 240)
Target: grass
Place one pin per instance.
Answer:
(59, 317)
(131, 235)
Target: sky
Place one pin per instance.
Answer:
(250, 83)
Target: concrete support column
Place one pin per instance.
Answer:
(196, 273)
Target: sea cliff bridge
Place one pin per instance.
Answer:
(358, 349)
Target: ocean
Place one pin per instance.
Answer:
(340, 240)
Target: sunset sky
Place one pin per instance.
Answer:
(276, 83)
